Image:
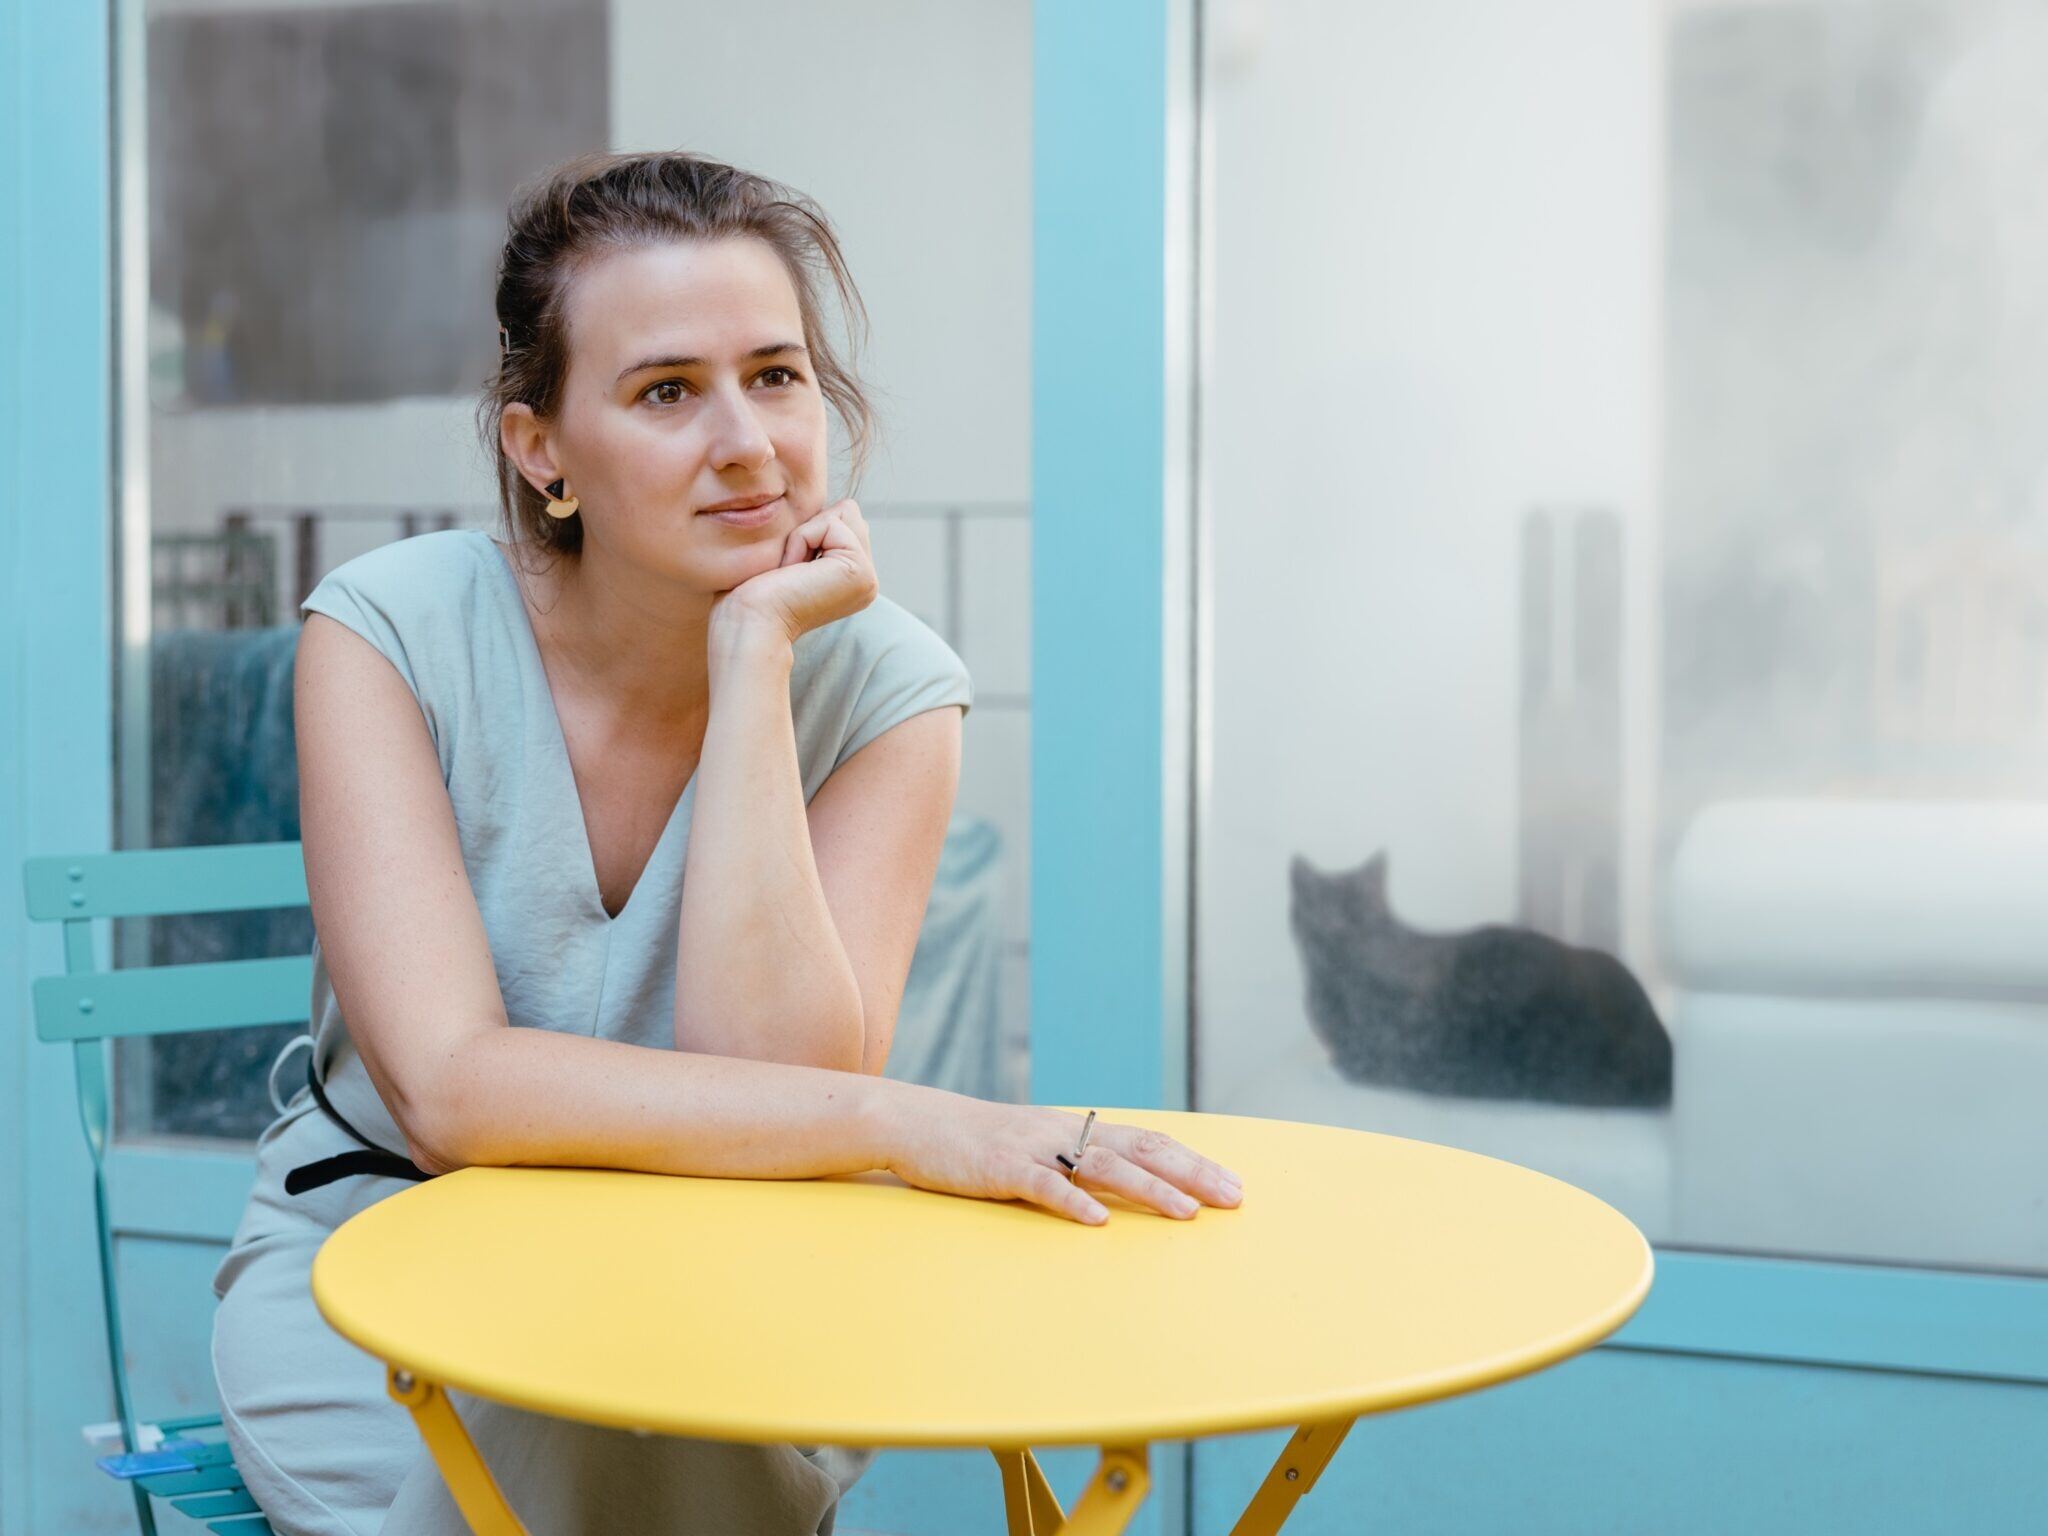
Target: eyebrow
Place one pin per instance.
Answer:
(774, 348)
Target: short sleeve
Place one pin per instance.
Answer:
(416, 601)
(865, 674)
(343, 597)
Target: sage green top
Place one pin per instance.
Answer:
(446, 610)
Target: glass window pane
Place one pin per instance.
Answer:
(1630, 616)
(326, 190)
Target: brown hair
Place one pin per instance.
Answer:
(598, 204)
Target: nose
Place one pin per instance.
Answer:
(738, 437)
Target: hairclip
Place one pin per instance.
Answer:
(504, 341)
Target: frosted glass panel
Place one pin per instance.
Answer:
(1628, 490)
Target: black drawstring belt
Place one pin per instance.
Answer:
(347, 1164)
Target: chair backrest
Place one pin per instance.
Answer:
(88, 1006)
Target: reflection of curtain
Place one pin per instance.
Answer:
(946, 1029)
(223, 769)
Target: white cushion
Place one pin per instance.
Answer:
(1862, 897)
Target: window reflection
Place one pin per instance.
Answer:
(1630, 504)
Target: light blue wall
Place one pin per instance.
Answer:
(1622, 1444)
(54, 728)
(1098, 421)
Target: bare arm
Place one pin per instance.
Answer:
(798, 923)
(411, 966)
(760, 970)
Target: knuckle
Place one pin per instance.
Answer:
(1151, 1143)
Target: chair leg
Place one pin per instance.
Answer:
(144, 1515)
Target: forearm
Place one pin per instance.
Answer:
(760, 969)
(505, 1096)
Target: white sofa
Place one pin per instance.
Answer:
(1861, 1029)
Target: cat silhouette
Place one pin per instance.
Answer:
(1489, 1013)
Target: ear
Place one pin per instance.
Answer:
(1372, 874)
(524, 438)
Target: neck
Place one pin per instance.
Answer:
(628, 636)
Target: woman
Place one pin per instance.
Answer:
(618, 836)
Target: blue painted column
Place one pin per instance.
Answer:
(55, 711)
(1109, 513)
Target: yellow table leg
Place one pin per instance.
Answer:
(1113, 1493)
(476, 1492)
(1296, 1471)
(1104, 1508)
(1028, 1498)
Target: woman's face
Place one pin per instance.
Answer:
(689, 388)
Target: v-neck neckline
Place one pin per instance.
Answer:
(591, 888)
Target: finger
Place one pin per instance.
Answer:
(832, 536)
(838, 534)
(1057, 1194)
(1103, 1168)
(803, 538)
(1179, 1165)
(851, 514)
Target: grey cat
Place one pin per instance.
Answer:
(1488, 1013)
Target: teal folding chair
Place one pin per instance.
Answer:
(88, 1007)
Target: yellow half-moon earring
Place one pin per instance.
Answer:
(560, 508)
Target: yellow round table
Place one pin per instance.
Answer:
(1361, 1272)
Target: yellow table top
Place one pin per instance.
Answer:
(1361, 1272)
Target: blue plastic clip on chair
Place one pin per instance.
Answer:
(88, 1007)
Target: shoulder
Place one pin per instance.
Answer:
(428, 565)
(414, 599)
(884, 642)
(857, 677)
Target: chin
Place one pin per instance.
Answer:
(755, 558)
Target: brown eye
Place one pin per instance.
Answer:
(667, 384)
(788, 375)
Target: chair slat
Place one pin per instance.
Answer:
(170, 1485)
(152, 882)
(212, 1505)
(174, 999)
(255, 1525)
(179, 1426)
(211, 1453)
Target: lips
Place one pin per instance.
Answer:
(749, 513)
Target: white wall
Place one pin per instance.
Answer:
(909, 121)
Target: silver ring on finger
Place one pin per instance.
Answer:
(1073, 1164)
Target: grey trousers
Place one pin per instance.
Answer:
(326, 1452)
